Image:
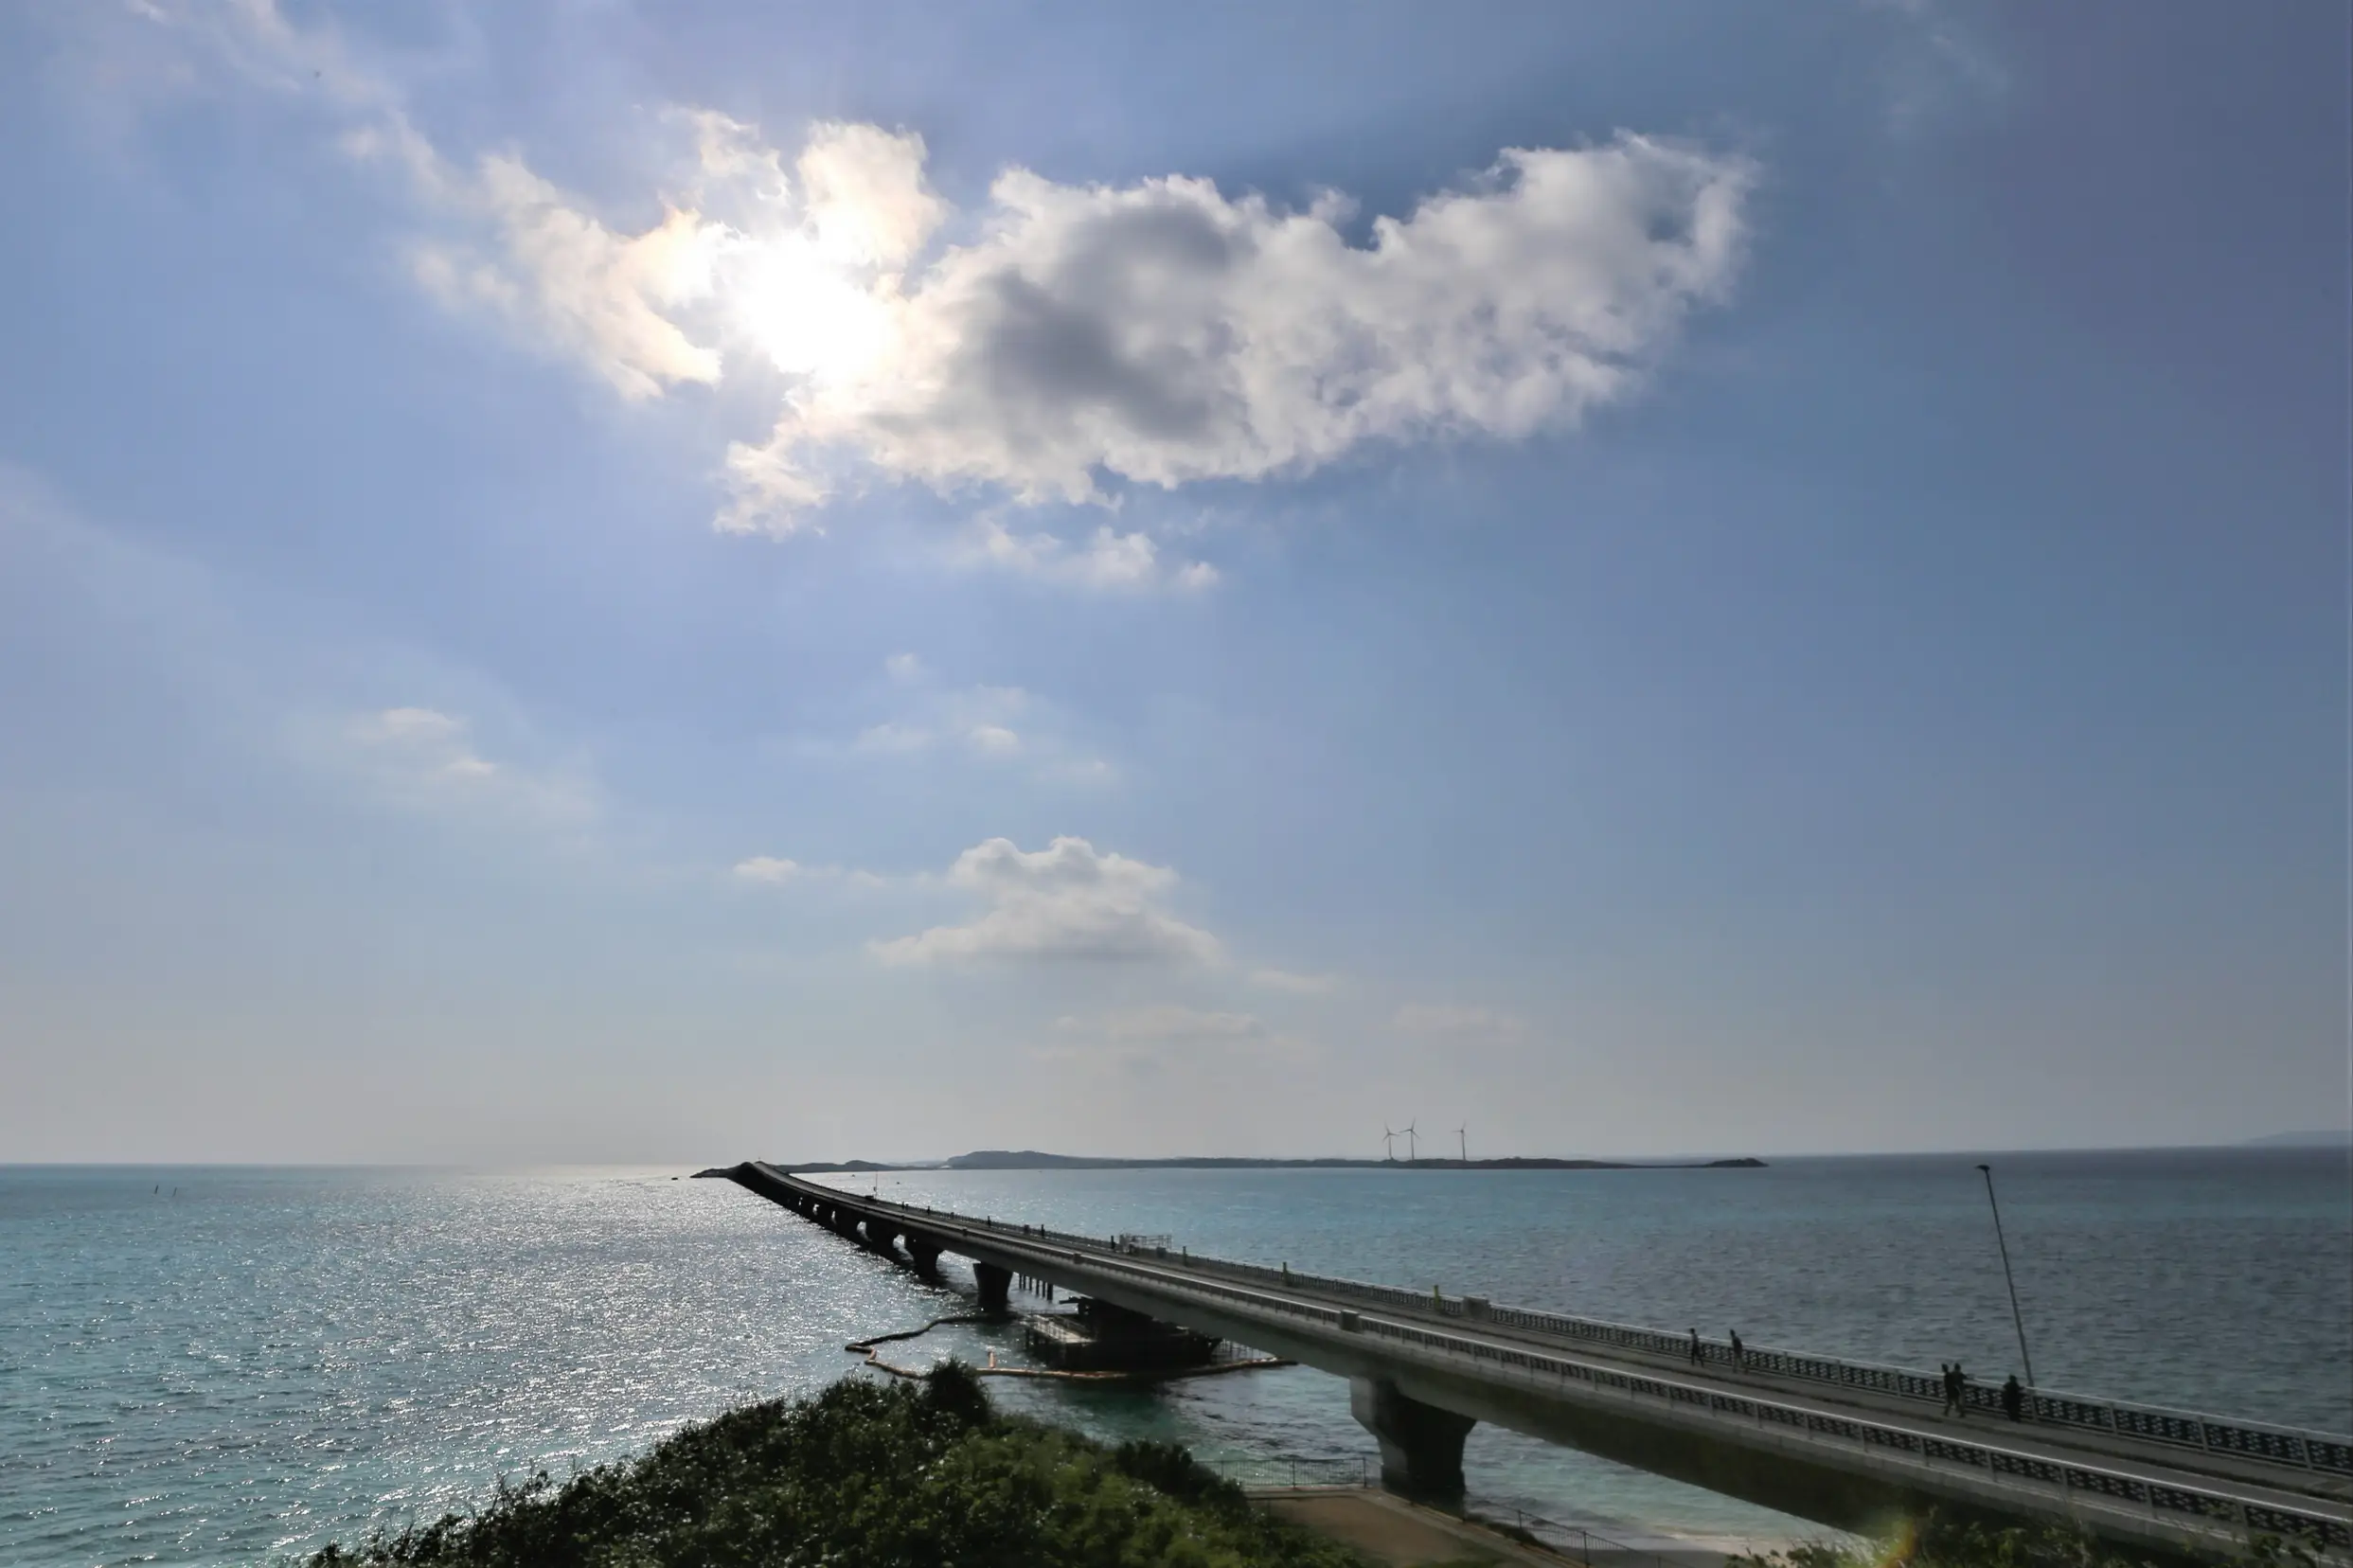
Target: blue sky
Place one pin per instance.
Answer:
(588, 583)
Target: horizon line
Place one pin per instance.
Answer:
(2261, 1142)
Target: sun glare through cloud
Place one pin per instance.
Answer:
(1065, 341)
(1050, 345)
(1057, 343)
(808, 315)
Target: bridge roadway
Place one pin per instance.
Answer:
(1842, 1443)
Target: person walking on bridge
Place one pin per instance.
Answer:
(1956, 1381)
(2013, 1399)
(1739, 1355)
(1699, 1352)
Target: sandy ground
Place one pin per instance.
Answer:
(1398, 1534)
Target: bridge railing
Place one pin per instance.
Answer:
(2284, 1445)
(2157, 1424)
(2077, 1485)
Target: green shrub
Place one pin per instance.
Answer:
(1171, 1468)
(867, 1476)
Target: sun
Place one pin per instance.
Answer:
(808, 314)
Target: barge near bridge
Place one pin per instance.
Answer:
(1843, 1443)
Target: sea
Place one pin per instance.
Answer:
(214, 1365)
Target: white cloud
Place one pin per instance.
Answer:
(1937, 72)
(893, 738)
(976, 719)
(1298, 985)
(775, 871)
(1058, 342)
(423, 757)
(1162, 332)
(1445, 1020)
(528, 252)
(1165, 1021)
(495, 236)
(992, 740)
(425, 731)
(1108, 560)
(255, 675)
(1068, 900)
(1164, 1033)
(988, 725)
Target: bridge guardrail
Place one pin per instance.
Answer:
(2194, 1505)
(2276, 1444)
(2189, 1503)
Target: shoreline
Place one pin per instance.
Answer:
(1031, 1159)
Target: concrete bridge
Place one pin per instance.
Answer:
(1843, 1443)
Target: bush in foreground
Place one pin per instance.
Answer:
(867, 1476)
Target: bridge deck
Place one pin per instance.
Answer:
(1553, 1377)
(1982, 1421)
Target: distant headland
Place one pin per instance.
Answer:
(1031, 1159)
(2332, 1137)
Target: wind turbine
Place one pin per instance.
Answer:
(1388, 1144)
(1464, 1134)
(1413, 1151)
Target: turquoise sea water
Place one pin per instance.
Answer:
(272, 1358)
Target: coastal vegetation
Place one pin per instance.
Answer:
(867, 1476)
(923, 1473)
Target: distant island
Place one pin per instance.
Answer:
(2336, 1138)
(1031, 1159)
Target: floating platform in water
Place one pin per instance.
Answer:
(1097, 1336)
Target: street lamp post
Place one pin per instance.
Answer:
(2017, 1320)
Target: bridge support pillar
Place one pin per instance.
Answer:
(994, 1283)
(924, 1253)
(1420, 1444)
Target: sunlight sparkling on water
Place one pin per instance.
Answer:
(275, 1358)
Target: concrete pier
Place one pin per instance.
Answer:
(1420, 1444)
(1097, 1336)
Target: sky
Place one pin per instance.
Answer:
(590, 582)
